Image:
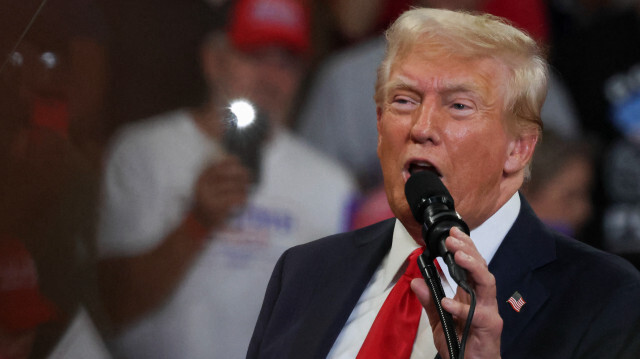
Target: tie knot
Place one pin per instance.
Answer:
(412, 269)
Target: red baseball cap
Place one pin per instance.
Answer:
(259, 23)
(22, 306)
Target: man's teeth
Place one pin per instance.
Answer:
(417, 167)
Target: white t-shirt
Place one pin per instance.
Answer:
(81, 340)
(149, 182)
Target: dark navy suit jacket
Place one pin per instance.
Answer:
(580, 302)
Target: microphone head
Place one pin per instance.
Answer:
(420, 187)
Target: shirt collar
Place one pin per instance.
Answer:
(401, 246)
(489, 235)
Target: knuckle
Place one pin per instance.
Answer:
(491, 280)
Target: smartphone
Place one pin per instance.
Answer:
(246, 131)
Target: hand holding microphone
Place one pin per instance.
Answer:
(447, 235)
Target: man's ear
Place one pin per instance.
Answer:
(520, 151)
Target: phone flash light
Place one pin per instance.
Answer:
(244, 113)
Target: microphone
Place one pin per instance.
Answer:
(432, 205)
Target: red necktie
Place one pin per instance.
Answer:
(394, 329)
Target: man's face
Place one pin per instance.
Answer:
(445, 113)
(269, 77)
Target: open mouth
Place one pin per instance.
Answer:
(415, 167)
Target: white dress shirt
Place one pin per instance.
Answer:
(487, 238)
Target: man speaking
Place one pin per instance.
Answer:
(458, 95)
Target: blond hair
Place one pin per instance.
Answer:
(475, 36)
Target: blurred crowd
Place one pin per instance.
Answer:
(141, 216)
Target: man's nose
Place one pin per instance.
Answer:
(426, 123)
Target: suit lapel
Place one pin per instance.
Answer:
(526, 247)
(337, 292)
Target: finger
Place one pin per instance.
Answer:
(230, 171)
(218, 211)
(423, 293)
(485, 316)
(484, 283)
(220, 180)
(420, 288)
(223, 196)
(457, 308)
(219, 165)
(227, 160)
(467, 256)
(458, 240)
(222, 187)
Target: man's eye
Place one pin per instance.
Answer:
(403, 104)
(402, 100)
(459, 106)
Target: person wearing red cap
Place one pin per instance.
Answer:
(188, 234)
(22, 307)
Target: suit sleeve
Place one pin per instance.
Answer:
(615, 331)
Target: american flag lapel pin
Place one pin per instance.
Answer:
(516, 301)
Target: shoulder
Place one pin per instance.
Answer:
(148, 134)
(598, 294)
(337, 246)
(606, 269)
(570, 269)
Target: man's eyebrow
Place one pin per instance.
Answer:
(401, 84)
(467, 88)
(454, 86)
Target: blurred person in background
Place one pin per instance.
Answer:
(22, 306)
(600, 62)
(559, 189)
(188, 234)
(47, 192)
(25, 312)
(62, 65)
(621, 169)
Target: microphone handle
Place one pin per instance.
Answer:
(458, 273)
(430, 275)
(435, 237)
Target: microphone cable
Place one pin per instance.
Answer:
(456, 349)
(472, 308)
(430, 274)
